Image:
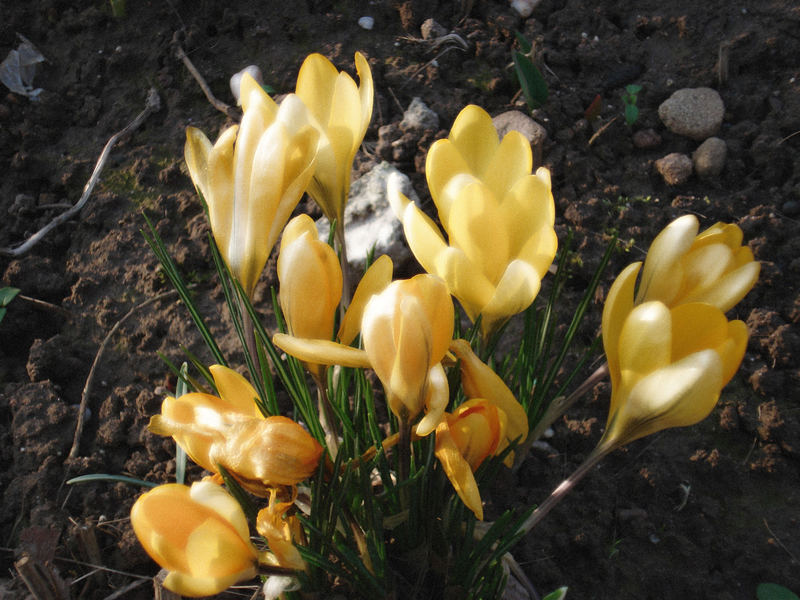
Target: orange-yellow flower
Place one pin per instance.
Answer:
(281, 531)
(406, 330)
(684, 266)
(341, 113)
(230, 432)
(498, 217)
(474, 431)
(253, 177)
(667, 365)
(198, 534)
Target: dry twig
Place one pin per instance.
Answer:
(76, 441)
(153, 105)
(215, 102)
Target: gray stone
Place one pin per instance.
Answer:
(646, 139)
(418, 117)
(675, 168)
(369, 219)
(431, 30)
(693, 112)
(519, 121)
(709, 158)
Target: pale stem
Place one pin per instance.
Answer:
(249, 334)
(327, 417)
(558, 407)
(566, 486)
(346, 277)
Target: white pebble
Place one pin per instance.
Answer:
(236, 80)
(524, 8)
(366, 23)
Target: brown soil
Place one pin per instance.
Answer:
(705, 512)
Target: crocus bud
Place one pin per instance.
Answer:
(684, 266)
(281, 531)
(341, 113)
(253, 177)
(310, 281)
(498, 217)
(198, 534)
(464, 439)
(406, 330)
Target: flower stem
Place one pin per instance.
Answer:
(566, 486)
(557, 408)
(346, 276)
(327, 417)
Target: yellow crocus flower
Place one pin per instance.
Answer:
(341, 112)
(464, 439)
(498, 217)
(310, 281)
(253, 177)
(199, 534)
(480, 381)
(311, 287)
(713, 267)
(406, 331)
(230, 432)
(667, 365)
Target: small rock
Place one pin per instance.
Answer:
(709, 158)
(369, 219)
(431, 30)
(418, 117)
(693, 112)
(519, 121)
(524, 8)
(23, 204)
(675, 168)
(366, 23)
(236, 80)
(646, 139)
(791, 208)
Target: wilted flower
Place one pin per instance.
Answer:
(199, 534)
(712, 267)
(498, 217)
(406, 330)
(667, 365)
(480, 381)
(474, 431)
(194, 420)
(341, 112)
(253, 177)
(280, 530)
(258, 452)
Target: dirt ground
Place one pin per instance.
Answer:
(706, 512)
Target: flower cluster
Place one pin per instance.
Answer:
(346, 471)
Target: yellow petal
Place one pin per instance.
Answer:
(480, 381)
(732, 351)
(197, 150)
(443, 162)
(366, 92)
(458, 470)
(322, 352)
(235, 390)
(678, 395)
(220, 197)
(645, 342)
(475, 137)
(511, 161)
(515, 292)
(315, 84)
(662, 274)
(728, 290)
(195, 586)
(222, 503)
(438, 395)
(374, 281)
(618, 305)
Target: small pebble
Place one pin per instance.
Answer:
(366, 23)
(236, 80)
(709, 158)
(646, 139)
(791, 208)
(524, 8)
(675, 168)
